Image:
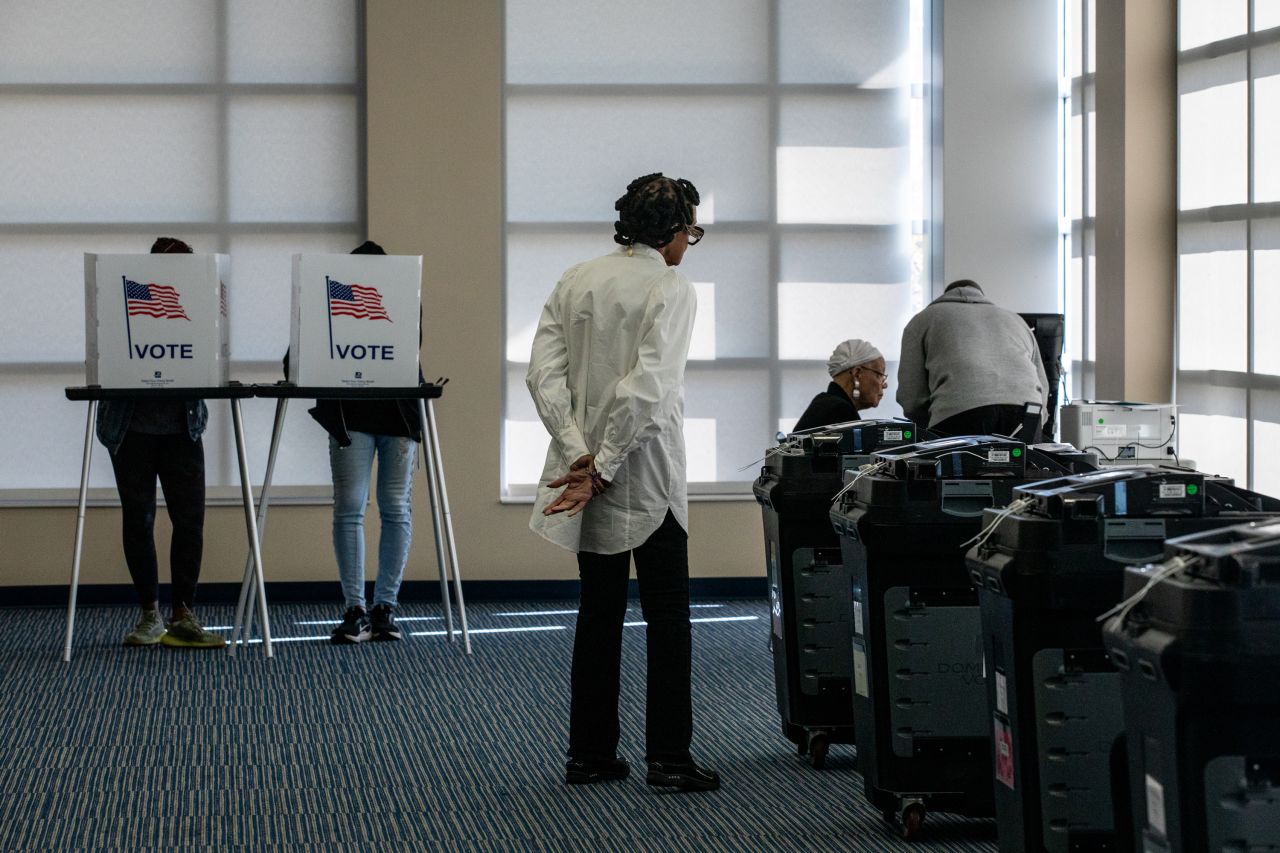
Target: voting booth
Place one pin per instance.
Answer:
(156, 321)
(355, 321)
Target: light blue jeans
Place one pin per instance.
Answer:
(352, 467)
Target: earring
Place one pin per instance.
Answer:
(857, 388)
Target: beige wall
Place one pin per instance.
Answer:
(435, 188)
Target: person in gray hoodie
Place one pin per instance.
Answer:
(968, 366)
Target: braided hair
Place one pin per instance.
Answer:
(654, 209)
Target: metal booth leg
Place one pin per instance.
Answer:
(448, 526)
(251, 527)
(429, 462)
(242, 628)
(75, 559)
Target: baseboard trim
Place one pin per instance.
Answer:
(410, 592)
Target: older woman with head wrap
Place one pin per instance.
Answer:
(857, 379)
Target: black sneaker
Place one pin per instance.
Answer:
(355, 627)
(580, 771)
(686, 776)
(384, 622)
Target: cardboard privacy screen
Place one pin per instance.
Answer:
(157, 321)
(355, 321)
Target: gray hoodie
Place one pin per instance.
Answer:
(962, 352)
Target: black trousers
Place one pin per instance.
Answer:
(662, 569)
(179, 464)
(984, 420)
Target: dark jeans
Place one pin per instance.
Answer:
(179, 463)
(662, 569)
(985, 420)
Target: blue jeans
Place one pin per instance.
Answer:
(352, 467)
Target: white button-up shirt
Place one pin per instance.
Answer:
(607, 377)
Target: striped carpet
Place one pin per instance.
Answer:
(407, 746)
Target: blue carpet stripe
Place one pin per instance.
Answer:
(403, 746)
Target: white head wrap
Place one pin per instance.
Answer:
(849, 354)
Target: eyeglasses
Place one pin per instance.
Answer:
(881, 375)
(695, 232)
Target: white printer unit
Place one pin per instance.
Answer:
(1122, 432)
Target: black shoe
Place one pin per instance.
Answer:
(686, 776)
(355, 627)
(585, 771)
(384, 622)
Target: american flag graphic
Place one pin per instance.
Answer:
(355, 300)
(153, 300)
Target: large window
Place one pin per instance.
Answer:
(1079, 170)
(236, 125)
(1228, 357)
(800, 121)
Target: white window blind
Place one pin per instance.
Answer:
(1079, 175)
(1228, 359)
(236, 125)
(800, 122)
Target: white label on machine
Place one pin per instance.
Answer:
(1173, 490)
(857, 617)
(1002, 693)
(1110, 431)
(1155, 805)
(893, 435)
(997, 456)
(860, 672)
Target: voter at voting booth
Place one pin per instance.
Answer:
(150, 439)
(359, 431)
(858, 379)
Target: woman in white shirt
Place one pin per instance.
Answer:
(607, 376)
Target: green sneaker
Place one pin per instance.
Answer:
(185, 631)
(148, 631)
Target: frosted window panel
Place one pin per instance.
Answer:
(1213, 152)
(842, 185)
(569, 158)
(108, 159)
(1091, 317)
(292, 41)
(1074, 310)
(261, 289)
(864, 42)
(737, 402)
(1091, 39)
(294, 158)
(519, 401)
(1266, 14)
(1266, 139)
(535, 263)
(1265, 407)
(738, 266)
(47, 457)
(1212, 303)
(702, 344)
(43, 318)
(1217, 444)
(124, 41)
(880, 256)
(1091, 166)
(700, 450)
(525, 446)
(665, 41)
(1204, 21)
(1266, 311)
(815, 316)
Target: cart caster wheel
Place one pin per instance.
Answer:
(818, 751)
(912, 821)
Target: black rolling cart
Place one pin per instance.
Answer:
(919, 697)
(809, 594)
(1044, 573)
(1198, 649)
(233, 393)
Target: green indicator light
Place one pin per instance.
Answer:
(1192, 489)
(906, 434)
(1101, 421)
(1016, 453)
